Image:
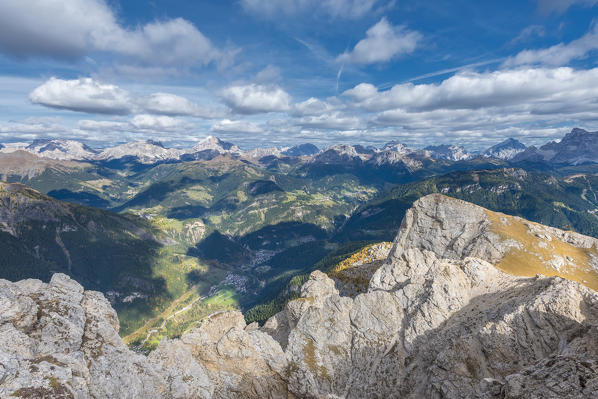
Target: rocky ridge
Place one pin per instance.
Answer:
(439, 319)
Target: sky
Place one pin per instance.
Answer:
(266, 73)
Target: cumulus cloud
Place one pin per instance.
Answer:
(349, 9)
(334, 121)
(174, 105)
(75, 28)
(311, 107)
(383, 42)
(159, 123)
(88, 95)
(229, 126)
(83, 95)
(254, 98)
(560, 6)
(559, 54)
(470, 90)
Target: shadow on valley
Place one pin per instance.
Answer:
(221, 249)
(156, 193)
(82, 197)
(276, 253)
(102, 251)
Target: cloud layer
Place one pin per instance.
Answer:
(350, 9)
(560, 6)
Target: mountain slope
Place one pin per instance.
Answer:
(120, 255)
(431, 324)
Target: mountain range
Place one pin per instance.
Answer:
(577, 147)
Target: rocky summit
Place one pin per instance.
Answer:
(468, 304)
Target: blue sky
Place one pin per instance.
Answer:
(279, 72)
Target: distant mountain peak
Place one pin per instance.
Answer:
(506, 149)
(579, 134)
(305, 149)
(61, 149)
(448, 151)
(215, 144)
(396, 146)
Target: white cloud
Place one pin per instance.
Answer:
(469, 90)
(75, 28)
(529, 32)
(350, 9)
(382, 43)
(335, 120)
(311, 107)
(254, 98)
(560, 6)
(469, 108)
(88, 95)
(83, 95)
(559, 54)
(142, 123)
(153, 123)
(228, 126)
(101, 126)
(25, 127)
(173, 105)
(169, 42)
(270, 74)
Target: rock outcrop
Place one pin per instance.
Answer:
(440, 318)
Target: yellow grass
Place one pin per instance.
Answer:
(535, 254)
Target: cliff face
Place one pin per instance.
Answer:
(440, 318)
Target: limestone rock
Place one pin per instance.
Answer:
(239, 363)
(58, 341)
(352, 276)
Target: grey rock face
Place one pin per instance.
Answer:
(225, 358)
(438, 320)
(61, 342)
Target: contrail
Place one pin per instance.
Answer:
(338, 76)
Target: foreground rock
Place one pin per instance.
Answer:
(58, 341)
(439, 319)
